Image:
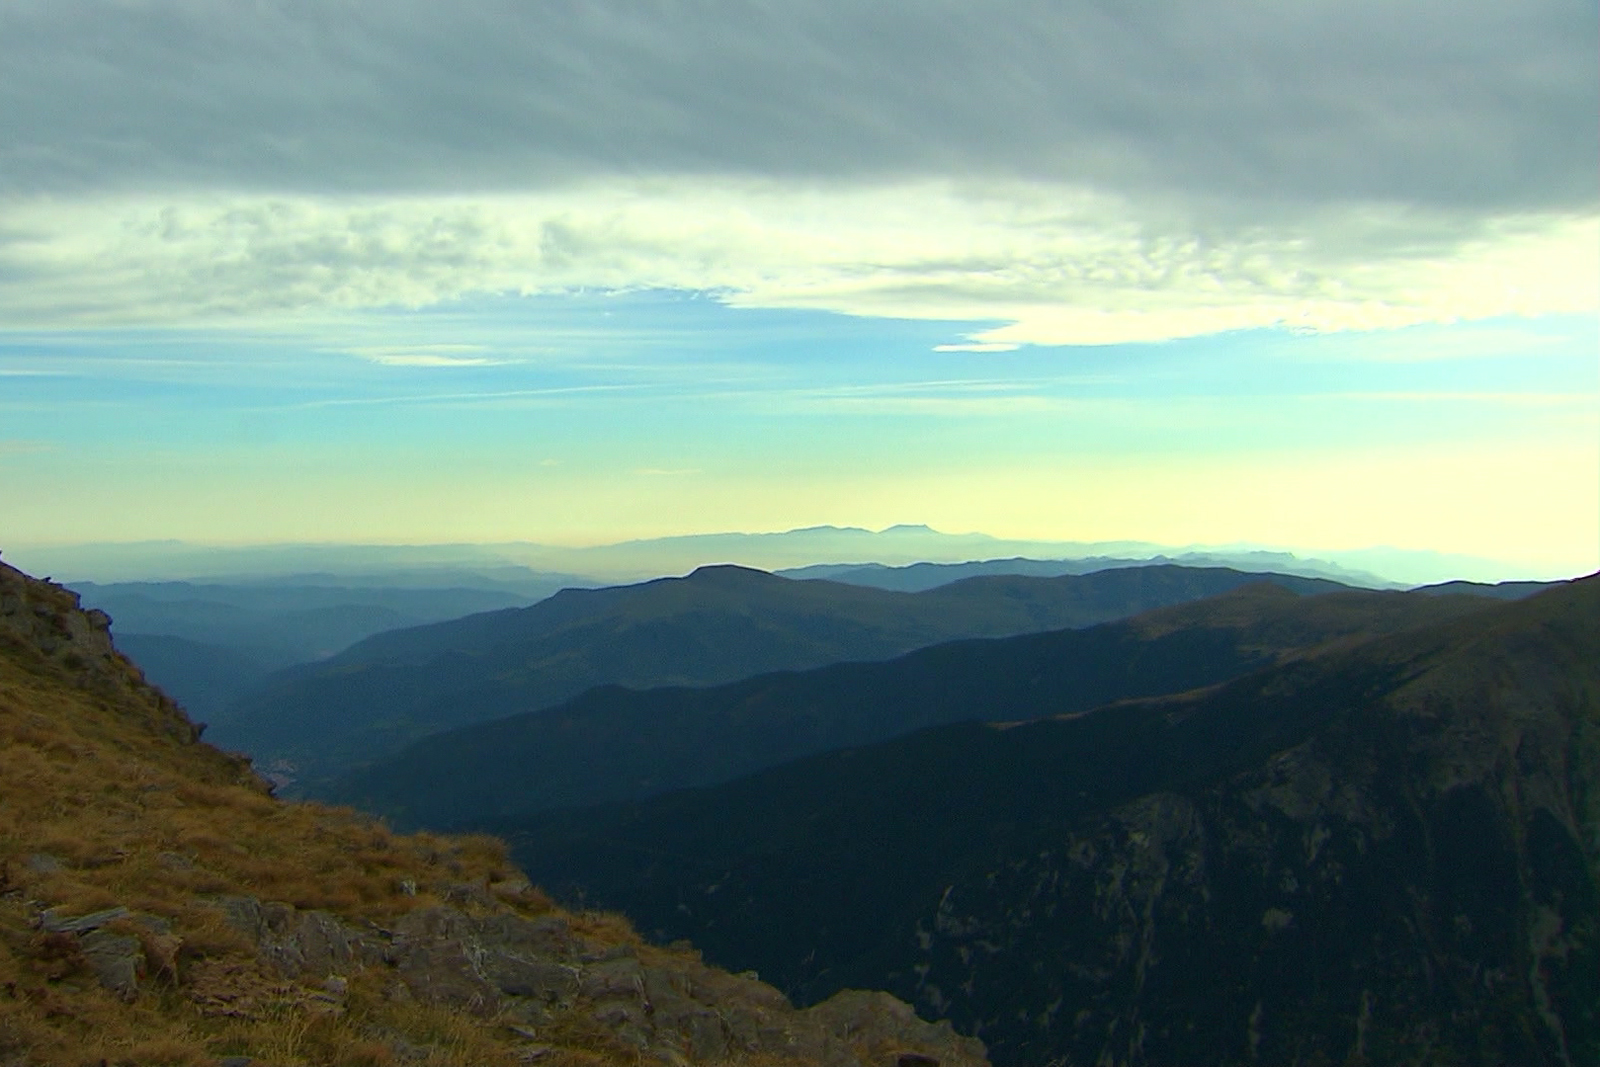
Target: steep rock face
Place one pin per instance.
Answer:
(1387, 854)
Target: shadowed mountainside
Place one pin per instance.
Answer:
(614, 743)
(1388, 853)
(716, 625)
(288, 621)
(204, 678)
(158, 907)
(208, 643)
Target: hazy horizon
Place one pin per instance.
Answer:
(900, 545)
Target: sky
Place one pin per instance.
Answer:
(1312, 275)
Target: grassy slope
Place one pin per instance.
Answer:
(106, 798)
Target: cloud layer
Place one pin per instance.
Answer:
(1476, 103)
(1077, 173)
(1047, 265)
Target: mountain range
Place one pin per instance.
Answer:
(1275, 821)
(616, 743)
(714, 626)
(630, 561)
(208, 643)
(1382, 851)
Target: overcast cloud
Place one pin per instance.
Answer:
(1204, 164)
(1477, 102)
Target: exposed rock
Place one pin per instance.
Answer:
(433, 951)
(44, 620)
(668, 1006)
(298, 943)
(116, 959)
(119, 960)
(890, 1026)
(47, 617)
(44, 863)
(56, 921)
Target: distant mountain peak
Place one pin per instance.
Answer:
(727, 572)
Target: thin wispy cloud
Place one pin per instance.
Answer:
(941, 405)
(430, 356)
(1580, 402)
(500, 396)
(977, 346)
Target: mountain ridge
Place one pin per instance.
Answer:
(1382, 853)
(613, 742)
(714, 626)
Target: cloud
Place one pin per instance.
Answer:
(1046, 264)
(503, 398)
(979, 406)
(1482, 342)
(978, 346)
(1084, 173)
(428, 356)
(1476, 102)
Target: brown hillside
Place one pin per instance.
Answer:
(158, 906)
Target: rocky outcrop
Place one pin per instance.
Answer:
(43, 622)
(47, 619)
(519, 972)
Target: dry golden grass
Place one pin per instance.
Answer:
(97, 774)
